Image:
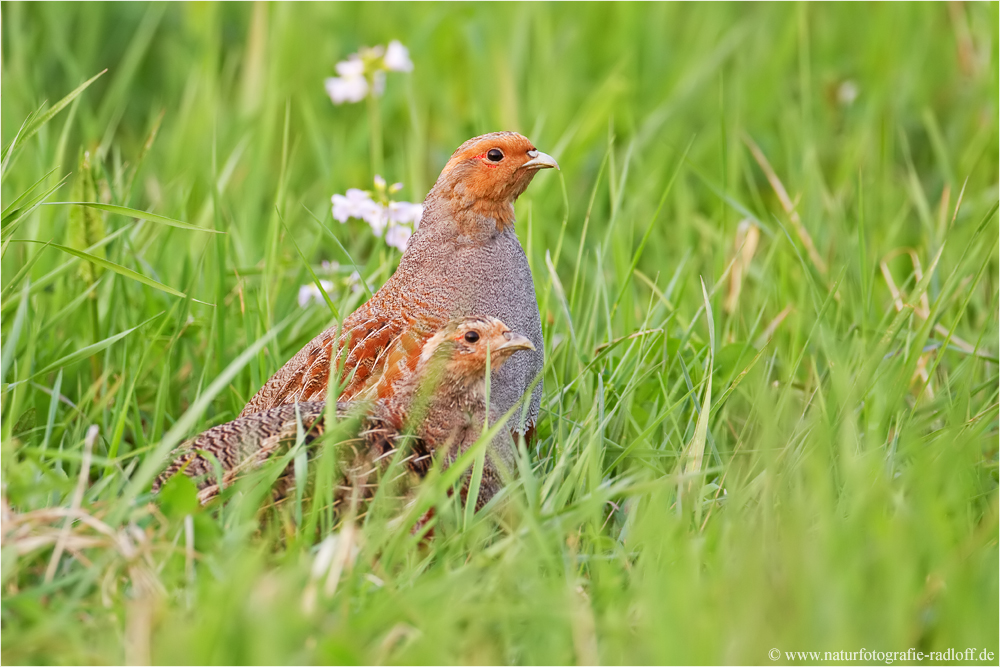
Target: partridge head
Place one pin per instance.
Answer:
(485, 175)
(454, 360)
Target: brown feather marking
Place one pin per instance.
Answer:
(366, 350)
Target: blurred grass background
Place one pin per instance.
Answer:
(801, 455)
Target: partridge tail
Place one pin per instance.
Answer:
(244, 443)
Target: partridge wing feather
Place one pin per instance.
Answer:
(368, 347)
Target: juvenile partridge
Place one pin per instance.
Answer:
(442, 403)
(464, 258)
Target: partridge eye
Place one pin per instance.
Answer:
(494, 155)
(471, 337)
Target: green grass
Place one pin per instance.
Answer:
(744, 444)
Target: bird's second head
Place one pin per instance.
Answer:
(486, 174)
(460, 349)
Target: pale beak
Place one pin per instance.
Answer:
(513, 342)
(540, 160)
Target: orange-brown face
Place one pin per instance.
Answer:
(463, 344)
(487, 173)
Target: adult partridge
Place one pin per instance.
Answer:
(442, 403)
(463, 259)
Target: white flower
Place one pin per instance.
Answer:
(377, 217)
(364, 72)
(397, 58)
(398, 236)
(310, 292)
(352, 205)
(396, 219)
(405, 213)
(352, 67)
(847, 92)
(330, 267)
(346, 89)
(351, 86)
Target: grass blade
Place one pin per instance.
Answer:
(136, 213)
(20, 274)
(11, 206)
(48, 115)
(111, 266)
(649, 227)
(90, 350)
(11, 221)
(316, 280)
(10, 340)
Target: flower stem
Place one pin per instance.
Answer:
(375, 130)
(95, 328)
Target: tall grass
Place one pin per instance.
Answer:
(767, 274)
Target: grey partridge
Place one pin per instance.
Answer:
(465, 258)
(443, 404)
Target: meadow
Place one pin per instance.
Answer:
(768, 279)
